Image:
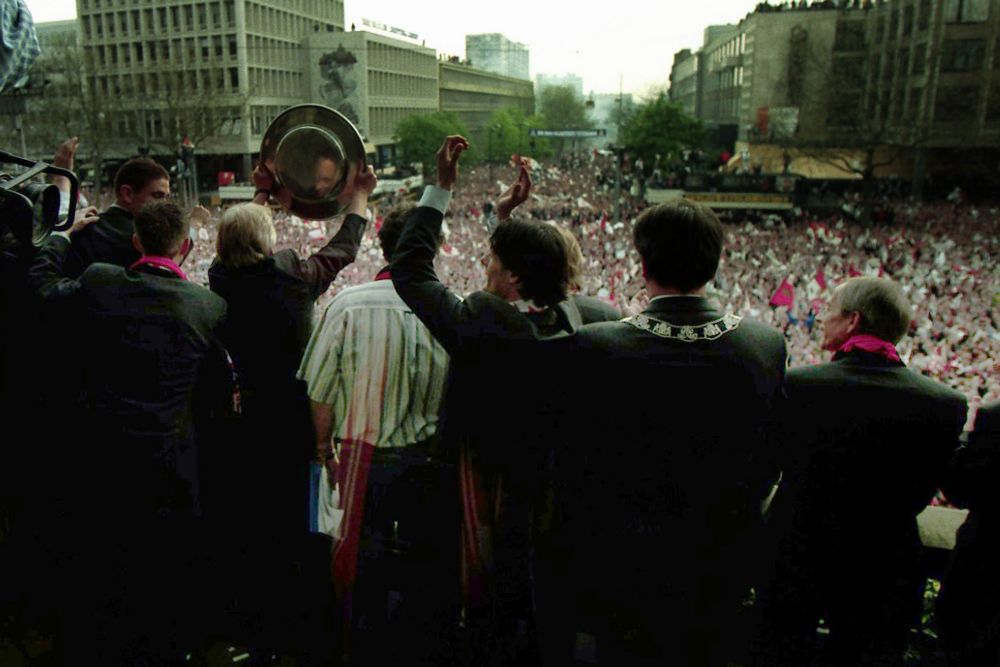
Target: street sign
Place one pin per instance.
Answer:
(571, 134)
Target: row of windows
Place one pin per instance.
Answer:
(734, 47)
(919, 16)
(388, 84)
(275, 83)
(267, 51)
(393, 58)
(270, 20)
(463, 100)
(460, 77)
(179, 18)
(209, 49)
(218, 80)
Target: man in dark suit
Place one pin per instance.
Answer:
(155, 376)
(665, 466)
(969, 605)
(138, 181)
(492, 338)
(866, 445)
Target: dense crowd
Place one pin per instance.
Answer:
(939, 252)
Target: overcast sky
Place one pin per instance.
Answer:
(600, 41)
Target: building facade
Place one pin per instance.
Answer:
(495, 53)
(684, 86)
(474, 94)
(214, 71)
(374, 80)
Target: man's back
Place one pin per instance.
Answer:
(378, 365)
(108, 240)
(662, 478)
(679, 427)
(866, 447)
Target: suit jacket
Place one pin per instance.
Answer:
(153, 371)
(271, 306)
(593, 309)
(672, 441)
(867, 445)
(495, 358)
(108, 240)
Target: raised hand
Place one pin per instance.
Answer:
(447, 160)
(66, 153)
(516, 194)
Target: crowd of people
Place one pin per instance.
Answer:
(200, 409)
(940, 252)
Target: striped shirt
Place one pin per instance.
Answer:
(378, 366)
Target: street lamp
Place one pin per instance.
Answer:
(489, 149)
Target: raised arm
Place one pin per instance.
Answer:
(323, 266)
(412, 265)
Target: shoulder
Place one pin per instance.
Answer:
(286, 259)
(593, 309)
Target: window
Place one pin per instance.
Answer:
(850, 36)
(962, 55)
(919, 59)
(234, 78)
(924, 17)
(966, 11)
(907, 20)
(956, 103)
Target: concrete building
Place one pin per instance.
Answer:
(216, 72)
(932, 76)
(474, 94)
(373, 79)
(571, 80)
(684, 88)
(495, 53)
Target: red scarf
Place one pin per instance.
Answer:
(383, 274)
(868, 343)
(160, 262)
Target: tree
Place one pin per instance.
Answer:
(660, 127)
(419, 137)
(562, 109)
(511, 134)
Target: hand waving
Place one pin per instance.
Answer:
(516, 194)
(447, 160)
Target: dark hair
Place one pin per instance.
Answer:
(536, 254)
(392, 228)
(139, 172)
(161, 227)
(680, 244)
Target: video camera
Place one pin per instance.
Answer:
(30, 209)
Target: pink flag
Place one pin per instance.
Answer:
(821, 278)
(784, 295)
(851, 271)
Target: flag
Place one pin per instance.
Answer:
(852, 271)
(821, 278)
(784, 295)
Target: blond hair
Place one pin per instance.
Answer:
(246, 236)
(574, 258)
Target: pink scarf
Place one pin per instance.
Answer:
(869, 343)
(160, 262)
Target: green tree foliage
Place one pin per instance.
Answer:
(510, 135)
(419, 137)
(658, 127)
(562, 109)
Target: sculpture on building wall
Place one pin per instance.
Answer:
(339, 89)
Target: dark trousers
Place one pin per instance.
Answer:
(406, 597)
